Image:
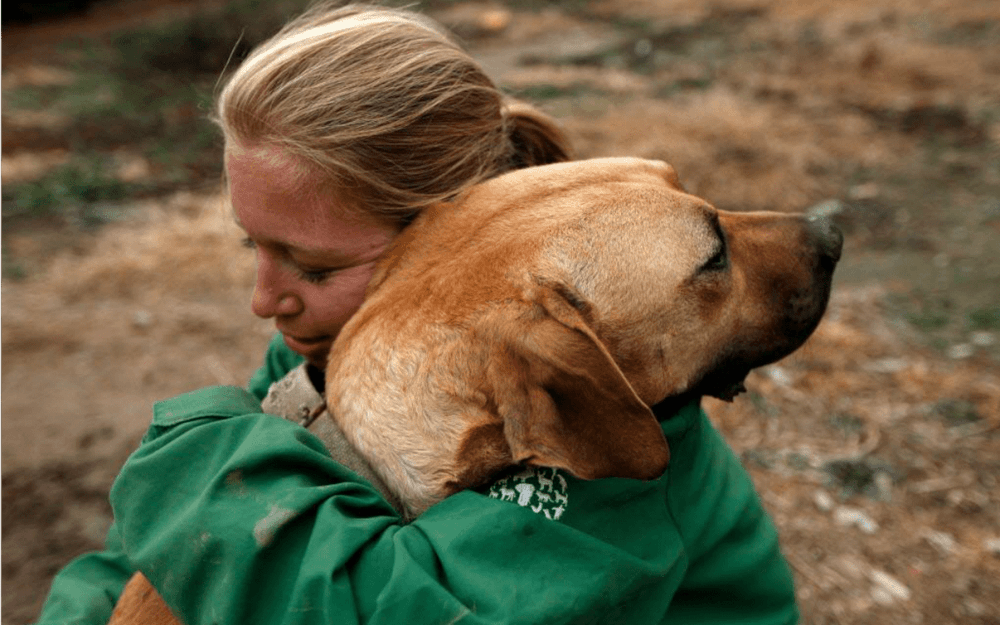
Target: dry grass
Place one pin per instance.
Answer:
(140, 313)
(185, 245)
(738, 154)
(857, 393)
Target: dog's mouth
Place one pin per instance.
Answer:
(728, 392)
(724, 385)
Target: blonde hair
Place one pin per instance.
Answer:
(385, 105)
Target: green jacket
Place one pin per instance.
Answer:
(241, 517)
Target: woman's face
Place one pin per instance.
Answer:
(315, 256)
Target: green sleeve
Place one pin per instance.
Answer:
(241, 517)
(86, 590)
(244, 518)
(278, 361)
(736, 571)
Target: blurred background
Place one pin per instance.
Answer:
(876, 447)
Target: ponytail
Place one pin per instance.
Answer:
(535, 137)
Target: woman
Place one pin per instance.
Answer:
(338, 131)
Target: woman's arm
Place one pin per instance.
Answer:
(240, 517)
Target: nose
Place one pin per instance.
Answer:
(270, 298)
(829, 238)
(266, 304)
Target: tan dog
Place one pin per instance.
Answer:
(536, 321)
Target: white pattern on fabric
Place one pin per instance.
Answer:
(543, 490)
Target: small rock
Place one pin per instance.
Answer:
(778, 375)
(142, 319)
(970, 502)
(823, 501)
(982, 339)
(942, 541)
(891, 586)
(887, 365)
(881, 595)
(848, 516)
(961, 351)
(955, 497)
(866, 191)
(992, 545)
(851, 566)
(882, 483)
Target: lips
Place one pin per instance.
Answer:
(314, 349)
(307, 341)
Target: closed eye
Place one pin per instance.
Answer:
(719, 260)
(312, 276)
(318, 276)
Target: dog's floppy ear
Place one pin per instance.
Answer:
(564, 401)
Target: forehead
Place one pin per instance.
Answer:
(631, 240)
(265, 179)
(276, 199)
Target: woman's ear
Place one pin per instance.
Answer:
(566, 404)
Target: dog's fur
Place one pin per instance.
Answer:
(537, 319)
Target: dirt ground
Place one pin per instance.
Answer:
(876, 447)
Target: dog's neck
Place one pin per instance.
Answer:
(669, 407)
(663, 411)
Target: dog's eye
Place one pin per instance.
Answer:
(718, 261)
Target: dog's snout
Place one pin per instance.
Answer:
(829, 238)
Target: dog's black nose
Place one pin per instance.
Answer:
(829, 238)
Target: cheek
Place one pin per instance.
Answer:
(336, 302)
(711, 301)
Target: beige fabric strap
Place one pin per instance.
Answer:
(294, 397)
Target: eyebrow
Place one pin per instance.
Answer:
(329, 256)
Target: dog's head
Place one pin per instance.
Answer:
(540, 316)
(687, 298)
